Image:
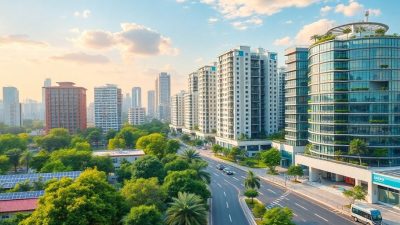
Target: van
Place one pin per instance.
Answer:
(365, 214)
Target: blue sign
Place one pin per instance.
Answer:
(240, 53)
(387, 181)
(273, 56)
(213, 68)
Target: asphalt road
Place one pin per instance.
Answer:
(226, 208)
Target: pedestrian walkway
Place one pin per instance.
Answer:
(318, 192)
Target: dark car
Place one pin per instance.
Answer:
(229, 172)
(220, 167)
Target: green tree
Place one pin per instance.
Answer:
(116, 143)
(315, 37)
(143, 215)
(200, 167)
(102, 163)
(55, 166)
(278, 216)
(347, 31)
(259, 210)
(130, 135)
(252, 181)
(169, 158)
(356, 193)
(39, 160)
(83, 146)
(172, 146)
(95, 137)
(271, 158)
(295, 171)
(358, 147)
(124, 172)
(111, 133)
(185, 181)
(22, 187)
(234, 152)
(176, 165)
(14, 219)
(5, 164)
(57, 138)
(185, 138)
(186, 209)
(147, 167)
(251, 193)
(11, 141)
(153, 144)
(87, 200)
(216, 149)
(190, 155)
(14, 156)
(26, 159)
(380, 32)
(144, 192)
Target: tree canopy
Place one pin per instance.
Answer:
(147, 167)
(143, 215)
(278, 216)
(271, 158)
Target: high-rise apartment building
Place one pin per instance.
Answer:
(151, 104)
(163, 96)
(11, 107)
(126, 103)
(46, 83)
(281, 103)
(247, 98)
(136, 97)
(177, 111)
(108, 107)
(31, 110)
(90, 115)
(136, 116)
(193, 83)
(207, 101)
(190, 112)
(65, 107)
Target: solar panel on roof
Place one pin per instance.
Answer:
(21, 195)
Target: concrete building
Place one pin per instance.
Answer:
(126, 103)
(1, 112)
(118, 156)
(353, 91)
(163, 96)
(65, 107)
(190, 113)
(247, 98)
(46, 83)
(31, 110)
(90, 115)
(108, 107)
(177, 112)
(151, 104)
(136, 97)
(281, 103)
(193, 83)
(11, 107)
(136, 116)
(207, 101)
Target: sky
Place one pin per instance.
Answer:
(128, 42)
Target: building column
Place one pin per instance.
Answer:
(313, 174)
(372, 196)
(338, 178)
(357, 182)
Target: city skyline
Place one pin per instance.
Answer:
(75, 43)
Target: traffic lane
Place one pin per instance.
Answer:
(270, 193)
(226, 208)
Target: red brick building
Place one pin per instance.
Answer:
(65, 107)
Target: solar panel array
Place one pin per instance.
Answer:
(9, 181)
(394, 173)
(21, 195)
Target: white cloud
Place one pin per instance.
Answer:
(212, 20)
(247, 8)
(134, 39)
(319, 27)
(82, 58)
(180, 1)
(243, 25)
(84, 14)
(289, 21)
(20, 40)
(324, 10)
(74, 30)
(354, 8)
(285, 41)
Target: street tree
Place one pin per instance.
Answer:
(278, 216)
(252, 181)
(251, 193)
(147, 167)
(272, 159)
(186, 209)
(199, 166)
(358, 147)
(153, 144)
(295, 171)
(176, 165)
(26, 159)
(14, 156)
(190, 155)
(143, 215)
(356, 193)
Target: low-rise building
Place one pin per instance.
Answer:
(118, 156)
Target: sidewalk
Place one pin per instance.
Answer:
(320, 193)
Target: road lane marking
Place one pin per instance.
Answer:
(243, 177)
(224, 193)
(235, 178)
(230, 218)
(261, 193)
(321, 217)
(216, 174)
(242, 185)
(219, 185)
(227, 205)
(300, 206)
(271, 191)
(226, 181)
(295, 214)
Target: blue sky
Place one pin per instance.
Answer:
(83, 41)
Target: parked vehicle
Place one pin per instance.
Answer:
(220, 167)
(365, 214)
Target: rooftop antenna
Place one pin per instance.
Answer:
(366, 15)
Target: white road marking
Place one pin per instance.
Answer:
(227, 205)
(243, 177)
(271, 191)
(261, 193)
(242, 185)
(321, 217)
(295, 214)
(224, 193)
(226, 181)
(219, 185)
(235, 178)
(230, 218)
(300, 206)
(216, 174)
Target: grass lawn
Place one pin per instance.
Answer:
(248, 162)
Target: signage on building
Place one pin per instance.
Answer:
(385, 180)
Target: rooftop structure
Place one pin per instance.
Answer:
(9, 181)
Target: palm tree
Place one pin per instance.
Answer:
(190, 155)
(14, 156)
(199, 166)
(252, 181)
(358, 147)
(347, 31)
(315, 37)
(26, 158)
(186, 209)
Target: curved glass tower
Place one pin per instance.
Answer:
(354, 92)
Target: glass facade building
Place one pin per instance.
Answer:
(354, 92)
(296, 96)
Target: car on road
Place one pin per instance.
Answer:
(365, 214)
(220, 167)
(228, 171)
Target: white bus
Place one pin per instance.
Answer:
(365, 214)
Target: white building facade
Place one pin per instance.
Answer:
(177, 111)
(163, 96)
(108, 107)
(136, 116)
(151, 104)
(11, 107)
(136, 97)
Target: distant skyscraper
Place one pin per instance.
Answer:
(151, 104)
(163, 96)
(281, 102)
(136, 97)
(90, 115)
(136, 116)
(108, 107)
(1, 112)
(12, 107)
(126, 103)
(46, 83)
(31, 110)
(177, 110)
(65, 107)
(191, 104)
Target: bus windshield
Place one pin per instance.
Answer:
(376, 215)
